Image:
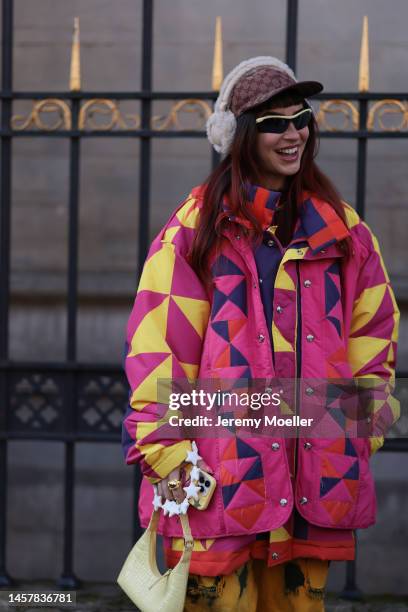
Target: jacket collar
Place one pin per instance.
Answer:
(318, 223)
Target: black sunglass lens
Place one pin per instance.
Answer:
(276, 125)
(302, 121)
(273, 125)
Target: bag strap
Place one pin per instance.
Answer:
(188, 538)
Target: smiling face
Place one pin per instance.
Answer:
(280, 154)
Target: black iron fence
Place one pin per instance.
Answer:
(65, 401)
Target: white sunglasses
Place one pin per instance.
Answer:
(278, 124)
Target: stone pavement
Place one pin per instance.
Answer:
(103, 597)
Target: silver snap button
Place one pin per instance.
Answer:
(270, 243)
(261, 280)
(303, 500)
(279, 309)
(275, 447)
(307, 283)
(310, 337)
(237, 236)
(283, 502)
(323, 251)
(309, 390)
(261, 337)
(275, 556)
(307, 446)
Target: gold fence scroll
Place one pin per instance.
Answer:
(53, 114)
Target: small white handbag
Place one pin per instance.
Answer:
(141, 580)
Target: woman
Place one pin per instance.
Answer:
(262, 272)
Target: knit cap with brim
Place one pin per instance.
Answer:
(249, 84)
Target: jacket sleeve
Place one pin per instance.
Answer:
(164, 340)
(372, 346)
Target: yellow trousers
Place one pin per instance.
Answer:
(296, 586)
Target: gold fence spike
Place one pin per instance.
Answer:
(75, 71)
(364, 71)
(217, 73)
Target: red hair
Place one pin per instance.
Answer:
(242, 165)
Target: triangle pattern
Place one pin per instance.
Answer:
(245, 376)
(337, 492)
(187, 214)
(257, 485)
(255, 471)
(279, 341)
(229, 283)
(194, 310)
(349, 448)
(227, 310)
(223, 266)
(332, 294)
(336, 447)
(361, 315)
(241, 374)
(184, 282)
(230, 452)
(223, 360)
(239, 296)
(246, 516)
(221, 328)
(147, 390)
(235, 326)
(379, 358)
(338, 355)
(279, 535)
(237, 358)
(328, 469)
(334, 268)
(139, 369)
(353, 472)
(146, 300)
(341, 463)
(284, 280)
(244, 497)
(182, 369)
(245, 450)
(352, 486)
(234, 470)
(158, 271)
(151, 332)
(337, 510)
(171, 232)
(335, 321)
(228, 493)
(326, 484)
(219, 299)
(181, 335)
(338, 417)
(383, 329)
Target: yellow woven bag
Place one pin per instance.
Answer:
(141, 580)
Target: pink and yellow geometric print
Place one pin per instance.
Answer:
(169, 291)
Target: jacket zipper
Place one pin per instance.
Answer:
(298, 359)
(298, 319)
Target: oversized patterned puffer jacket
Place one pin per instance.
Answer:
(349, 327)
